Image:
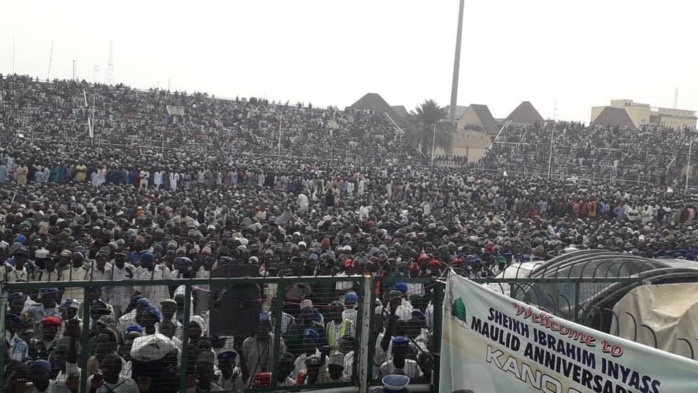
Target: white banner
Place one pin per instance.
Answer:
(492, 343)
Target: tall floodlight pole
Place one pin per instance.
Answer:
(433, 144)
(278, 157)
(688, 167)
(550, 156)
(456, 66)
(50, 59)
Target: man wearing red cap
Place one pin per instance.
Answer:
(42, 348)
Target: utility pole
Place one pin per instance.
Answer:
(278, 157)
(456, 66)
(109, 77)
(433, 144)
(550, 156)
(50, 59)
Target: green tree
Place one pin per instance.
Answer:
(420, 132)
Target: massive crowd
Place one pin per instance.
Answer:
(650, 155)
(344, 197)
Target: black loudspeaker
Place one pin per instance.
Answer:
(235, 308)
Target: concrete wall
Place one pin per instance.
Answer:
(470, 143)
(595, 112)
(638, 114)
(675, 122)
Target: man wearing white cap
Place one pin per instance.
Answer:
(120, 296)
(76, 271)
(303, 203)
(334, 370)
(47, 271)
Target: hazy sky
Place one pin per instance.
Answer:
(330, 52)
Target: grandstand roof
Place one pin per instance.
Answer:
(525, 113)
(375, 102)
(486, 119)
(401, 110)
(610, 116)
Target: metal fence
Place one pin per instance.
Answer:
(233, 310)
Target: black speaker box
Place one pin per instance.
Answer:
(235, 308)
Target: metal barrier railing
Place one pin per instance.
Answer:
(222, 294)
(430, 293)
(226, 307)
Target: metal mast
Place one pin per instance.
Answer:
(456, 66)
(109, 77)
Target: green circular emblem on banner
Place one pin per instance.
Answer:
(458, 309)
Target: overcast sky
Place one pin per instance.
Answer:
(327, 52)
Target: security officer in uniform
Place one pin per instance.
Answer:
(76, 271)
(47, 307)
(46, 267)
(18, 348)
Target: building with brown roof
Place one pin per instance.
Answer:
(643, 114)
(460, 110)
(478, 118)
(401, 111)
(374, 102)
(614, 117)
(474, 131)
(525, 113)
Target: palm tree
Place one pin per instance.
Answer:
(420, 132)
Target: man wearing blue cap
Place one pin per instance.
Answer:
(310, 347)
(350, 301)
(139, 304)
(148, 319)
(230, 378)
(40, 374)
(399, 364)
(152, 270)
(16, 303)
(48, 307)
(69, 309)
(18, 348)
(295, 336)
(20, 272)
(403, 308)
